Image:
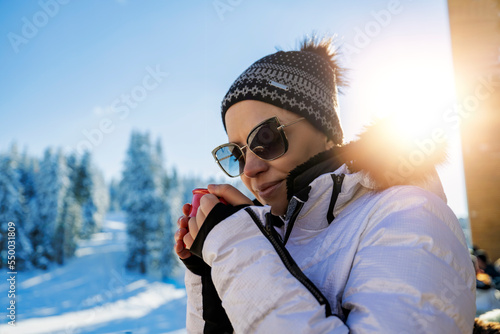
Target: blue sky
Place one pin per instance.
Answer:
(165, 65)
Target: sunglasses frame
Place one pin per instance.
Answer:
(280, 130)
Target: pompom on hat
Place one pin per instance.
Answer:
(302, 82)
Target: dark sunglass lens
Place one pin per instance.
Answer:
(231, 159)
(266, 141)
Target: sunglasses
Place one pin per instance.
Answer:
(267, 141)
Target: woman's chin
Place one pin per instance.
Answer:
(278, 209)
(278, 204)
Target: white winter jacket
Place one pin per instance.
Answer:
(347, 259)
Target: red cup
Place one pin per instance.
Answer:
(195, 202)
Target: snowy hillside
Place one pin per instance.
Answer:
(92, 293)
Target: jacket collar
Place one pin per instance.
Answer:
(374, 162)
(301, 177)
(384, 160)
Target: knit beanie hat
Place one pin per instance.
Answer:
(302, 82)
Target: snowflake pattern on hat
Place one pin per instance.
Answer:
(299, 81)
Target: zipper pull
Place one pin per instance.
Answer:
(339, 179)
(269, 225)
(269, 228)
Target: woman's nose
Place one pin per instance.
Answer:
(254, 165)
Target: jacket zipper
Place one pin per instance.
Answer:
(337, 188)
(293, 218)
(338, 180)
(289, 262)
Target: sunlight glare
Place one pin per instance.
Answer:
(412, 95)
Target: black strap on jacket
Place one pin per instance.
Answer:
(214, 315)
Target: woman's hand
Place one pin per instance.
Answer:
(182, 223)
(230, 194)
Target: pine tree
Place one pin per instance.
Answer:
(114, 195)
(66, 234)
(52, 183)
(137, 186)
(69, 216)
(85, 194)
(165, 233)
(28, 168)
(43, 199)
(25, 168)
(90, 193)
(143, 199)
(10, 204)
(100, 197)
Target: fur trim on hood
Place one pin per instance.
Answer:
(392, 159)
(388, 158)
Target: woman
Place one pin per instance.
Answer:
(340, 238)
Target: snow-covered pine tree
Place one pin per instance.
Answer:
(52, 183)
(15, 172)
(90, 192)
(136, 226)
(27, 169)
(66, 234)
(142, 203)
(85, 194)
(100, 196)
(114, 195)
(165, 258)
(11, 209)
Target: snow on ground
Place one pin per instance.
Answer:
(92, 293)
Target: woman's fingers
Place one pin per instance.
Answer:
(179, 246)
(186, 209)
(180, 233)
(188, 240)
(193, 227)
(193, 232)
(207, 203)
(232, 195)
(182, 222)
(180, 250)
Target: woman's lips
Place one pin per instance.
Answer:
(267, 190)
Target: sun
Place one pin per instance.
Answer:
(414, 94)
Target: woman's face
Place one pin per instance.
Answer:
(267, 179)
